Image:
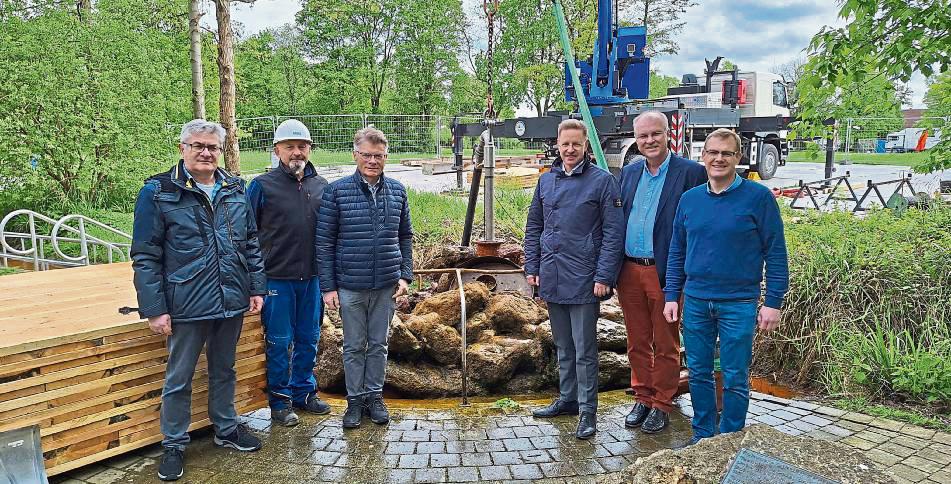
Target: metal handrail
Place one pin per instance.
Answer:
(36, 251)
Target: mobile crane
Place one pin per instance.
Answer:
(615, 82)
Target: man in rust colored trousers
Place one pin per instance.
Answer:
(651, 190)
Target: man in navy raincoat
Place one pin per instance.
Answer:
(574, 239)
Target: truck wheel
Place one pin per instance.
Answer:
(768, 162)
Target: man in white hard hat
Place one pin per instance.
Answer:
(285, 203)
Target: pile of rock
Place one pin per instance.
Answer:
(509, 351)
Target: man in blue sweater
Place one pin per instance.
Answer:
(725, 232)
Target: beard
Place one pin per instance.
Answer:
(297, 166)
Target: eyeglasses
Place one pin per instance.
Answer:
(715, 153)
(199, 147)
(372, 156)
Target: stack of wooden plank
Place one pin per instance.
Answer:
(516, 177)
(90, 377)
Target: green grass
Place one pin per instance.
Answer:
(912, 415)
(258, 161)
(5, 271)
(897, 159)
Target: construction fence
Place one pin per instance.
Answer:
(423, 135)
(880, 135)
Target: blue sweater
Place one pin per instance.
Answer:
(722, 241)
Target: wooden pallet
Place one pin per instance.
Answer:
(517, 177)
(91, 378)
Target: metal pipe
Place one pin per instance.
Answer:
(470, 208)
(462, 327)
(489, 194)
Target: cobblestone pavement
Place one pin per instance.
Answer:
(437, 441)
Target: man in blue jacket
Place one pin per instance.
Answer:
(285, 203)
(725, 233)
(573, 241)
(197, 270)
(365, 256)
(651, 191)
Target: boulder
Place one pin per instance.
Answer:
(493, 362)
(403, 343)
(612, 336)
(446, 304)
(440, 342)
(613, 370)
(611, 310)
(710, 459)
(544, 337)
(332, 316)
(509, 312)
(425, 380)
(475, 326)
(329, 367)
(512, 252)
(447, 256)
(529, 383)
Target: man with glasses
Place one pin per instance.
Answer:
(198, 269)
(365, 257)
(651, 191)
(725, 233)
(285, 202)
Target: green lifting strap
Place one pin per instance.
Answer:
(576, 81)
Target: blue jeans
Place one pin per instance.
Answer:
(733, 322)
(292, 313)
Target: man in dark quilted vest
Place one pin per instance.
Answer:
(365, 260)
(285, 201)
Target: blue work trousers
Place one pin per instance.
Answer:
(733, 322)
(292, 314)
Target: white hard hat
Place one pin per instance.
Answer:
(291, 129)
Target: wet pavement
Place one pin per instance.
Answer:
(439, 441)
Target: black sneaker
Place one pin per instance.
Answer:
(377, 409)
(313, 404)
(240, 438)
(354, 413)
(172, 465)
(556, 408)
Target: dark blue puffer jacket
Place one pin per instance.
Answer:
(363, 245)
(194, 259)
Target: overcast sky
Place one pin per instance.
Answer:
(755, 34)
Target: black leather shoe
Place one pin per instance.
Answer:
(656, 421)
(557, 407)
(587, 425)
(376, 409)
(637, 416)
(354, 413)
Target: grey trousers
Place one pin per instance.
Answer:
(184, 347)
(366, 319)
(574, 328)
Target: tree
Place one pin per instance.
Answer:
(883, 38)
(194, 40)
(659, 84)
(226, 79)
(792, 72)
(83, 124)
(663, 19)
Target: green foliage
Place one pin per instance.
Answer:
(938, 101)
(507, 405)
(912, 415)
(659, 84)
(868, 306)
(888, 39)
(87, 95)
(5, 271)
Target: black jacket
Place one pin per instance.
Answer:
(285, 210)
(194, 259)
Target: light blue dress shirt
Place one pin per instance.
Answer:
(639, 239)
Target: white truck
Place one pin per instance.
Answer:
(906, 140)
